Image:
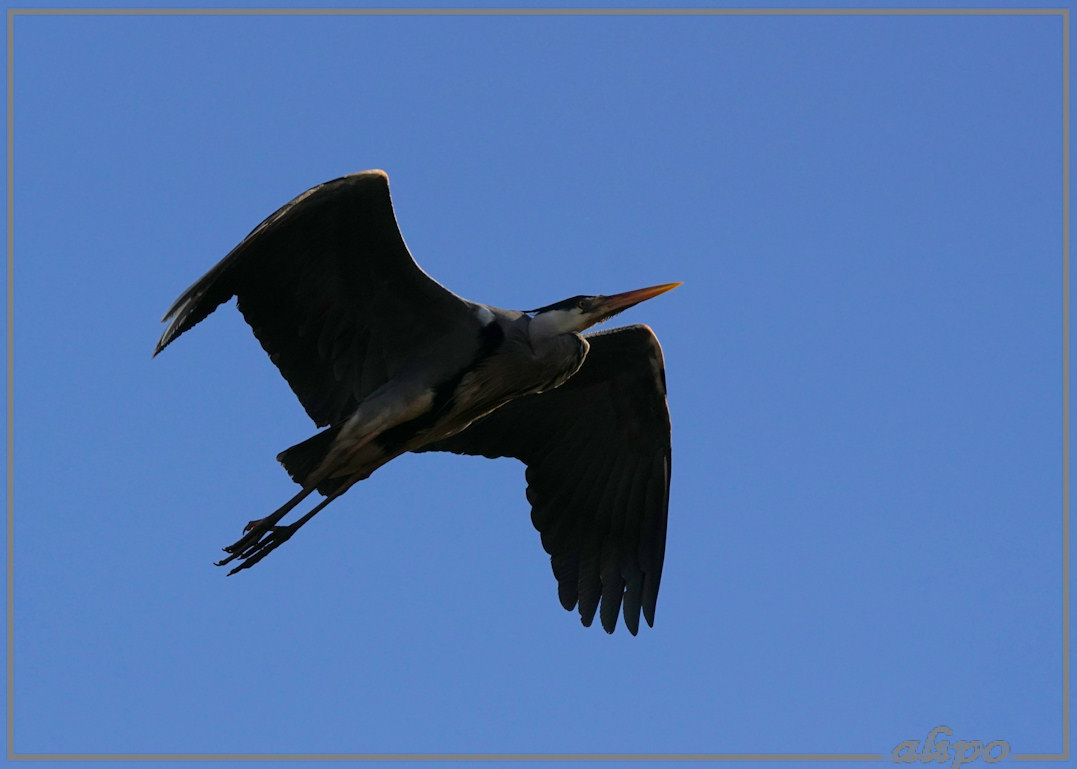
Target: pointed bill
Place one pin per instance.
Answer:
(619, 302)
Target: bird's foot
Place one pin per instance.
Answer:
(260, 540)
(263, 536)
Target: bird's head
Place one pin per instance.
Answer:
(571, 316)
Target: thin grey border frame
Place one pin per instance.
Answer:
(12, 13)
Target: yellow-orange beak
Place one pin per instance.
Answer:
(618, 302)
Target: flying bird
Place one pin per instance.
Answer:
(387, 360)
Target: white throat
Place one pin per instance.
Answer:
(548, 325)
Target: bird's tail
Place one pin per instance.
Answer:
(302, 459)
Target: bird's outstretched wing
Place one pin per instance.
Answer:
(597, 451)
(331, 292)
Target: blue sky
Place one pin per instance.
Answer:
(864, 364)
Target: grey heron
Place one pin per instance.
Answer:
(387, 361)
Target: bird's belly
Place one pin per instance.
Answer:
(408, 417)
(364, 443)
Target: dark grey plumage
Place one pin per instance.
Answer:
(389, 361)
(597, 451)
(330, 290)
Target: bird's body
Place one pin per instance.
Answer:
(388, 361)
(418, 408)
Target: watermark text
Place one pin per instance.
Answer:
(942, 751)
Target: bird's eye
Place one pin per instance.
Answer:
(582, 304)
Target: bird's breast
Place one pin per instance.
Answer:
(516, 369)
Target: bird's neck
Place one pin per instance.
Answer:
(561, 355)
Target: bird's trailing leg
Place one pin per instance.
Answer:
(256, 529)
(264, 536)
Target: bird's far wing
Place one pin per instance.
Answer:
(331, 292)
(597, 451)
